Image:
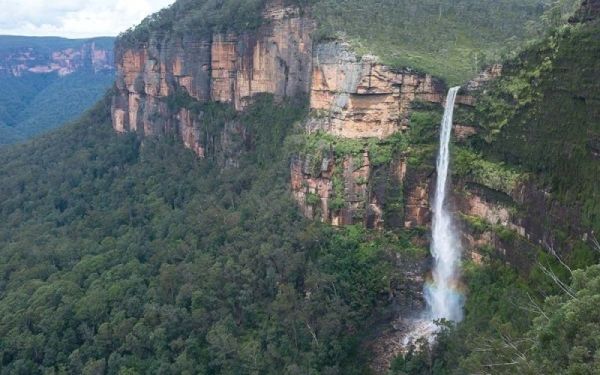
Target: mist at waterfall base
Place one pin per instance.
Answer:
(442, 294)
(444, 299)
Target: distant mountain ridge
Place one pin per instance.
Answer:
(47, 81)
(21, 55)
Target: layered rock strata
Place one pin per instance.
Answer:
(228, 68)
(314, 192)
(356, 97)
(87, 55)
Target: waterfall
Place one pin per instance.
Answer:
(444, 299)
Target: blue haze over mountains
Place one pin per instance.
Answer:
(48, 81)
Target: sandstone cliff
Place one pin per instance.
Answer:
(23, 55)
(228, 68)
(361, 98)
(351, 98)
(358, 98)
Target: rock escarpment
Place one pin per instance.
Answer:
(351, 189)
(21, 55)
(351, 98)
(228, 68)
(360, 98)
(360, 199)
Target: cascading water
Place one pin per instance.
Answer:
(443, 297)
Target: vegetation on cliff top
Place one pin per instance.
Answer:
(449, 39)
(198, 17)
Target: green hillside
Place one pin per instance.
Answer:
(34, 103)
(125, 258)
(548, 100)
(542, 118)
(449, 39)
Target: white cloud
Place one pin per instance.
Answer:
(74, 18)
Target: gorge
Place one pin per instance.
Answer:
(367, 156)
(300, 187)
(47, 81)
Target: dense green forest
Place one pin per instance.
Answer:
(43, 102)
(128, 255)
(123, 257)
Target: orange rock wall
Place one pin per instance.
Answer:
(228, 68)
(360, 98)
(353, 98)
(362, 204)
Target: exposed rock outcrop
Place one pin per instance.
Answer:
(228, 68)
(81, 55)
(350, 97)
(360, 98)
(418, 186)
(314, 190)
(490, 73)
(518, 223)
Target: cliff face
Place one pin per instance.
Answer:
(359, 99)
(360, 203)
(227, 68)
(351, 98)
(352, 190)
(20, 56)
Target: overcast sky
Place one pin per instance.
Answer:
(74, 18)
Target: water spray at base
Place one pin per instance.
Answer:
(443, 297)
(444, 300)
